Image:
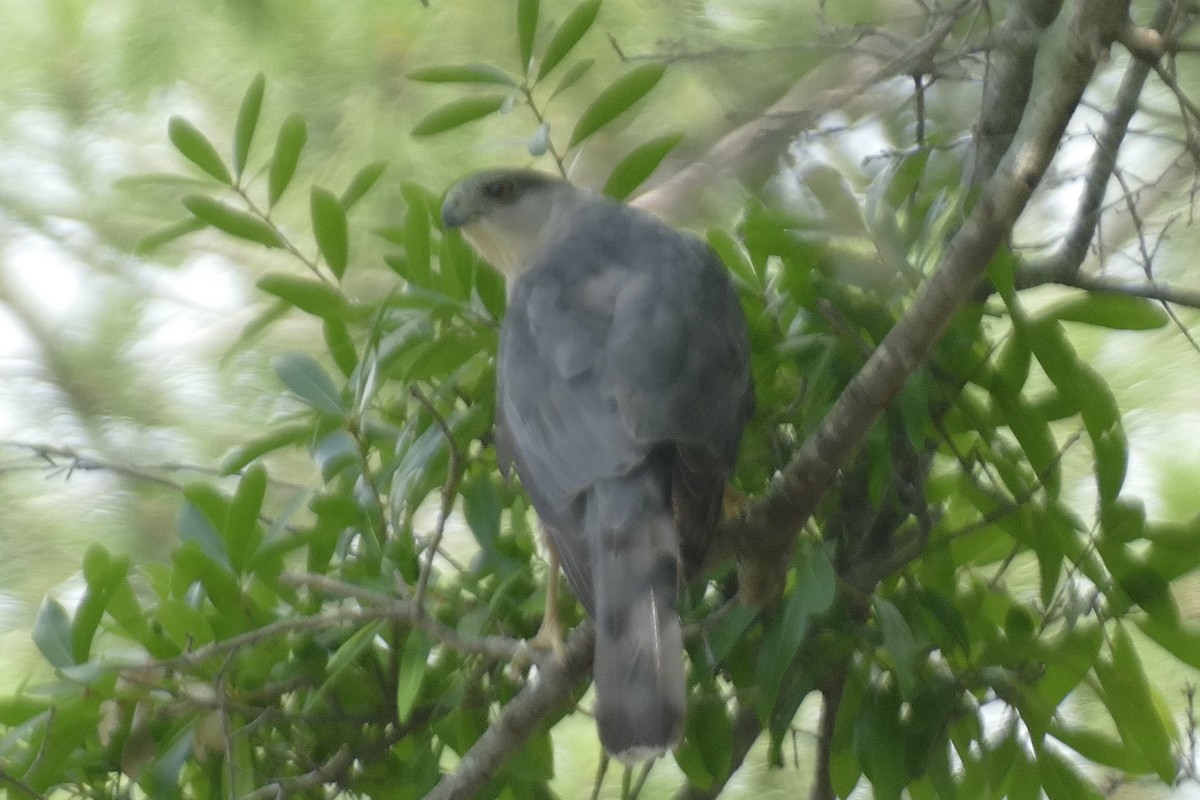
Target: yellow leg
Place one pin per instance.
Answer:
(549, 635)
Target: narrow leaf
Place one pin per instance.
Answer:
(1116, 311)
(340, 345)
(195, 147)
(152, 241)
(241, 529)
(247, 122)
(568, 34)
(1062, 781)
(900, 644)
(616, 99)
(456, 113)
(414, 662)
(632, 170)
(1127, 695)
(52, 634)
(362, 182)
(571, 77)
(464, 73)
(527, 20)
(313, 296)
(233, 221)
(329, 227)
(272, 440)
(308, 380)
(293, 134)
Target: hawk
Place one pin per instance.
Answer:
(623, 386)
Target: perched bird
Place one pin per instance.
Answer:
(623, 387)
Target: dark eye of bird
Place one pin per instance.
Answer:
(503, 191)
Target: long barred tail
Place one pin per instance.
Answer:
(641, 691)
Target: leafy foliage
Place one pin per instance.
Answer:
(302, 638)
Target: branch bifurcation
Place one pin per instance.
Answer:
(762, 535)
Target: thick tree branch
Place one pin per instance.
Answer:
(765, 530)
(1009, 81)
(542, 696)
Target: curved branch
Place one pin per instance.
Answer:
(541, 697)
(763, 533)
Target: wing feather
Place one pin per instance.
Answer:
(596, 371)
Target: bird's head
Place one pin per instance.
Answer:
(508, 215)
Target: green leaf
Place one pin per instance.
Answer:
(343, 657)
(199, 518)
(1062, 781)
(881, 744)
(103, 574)
(52, 634)
(414, 663)
(904, 178)
(247, 122)
(811, 594)
(308, 380)
(1033, 433)
(733, 255)
(340, 345)
(329, 226)
(571, 77)
(293, 134)
(1107, 310)
(195, 147)
(456, 113)
(417, 224)
(464, 73)
(152, 241)
(639, 165)
(709, 731)
(335, 454)
(307, 294)
(231, 220)
(900, 644)
(618, 98)
(241, 529)
(568, 34)
(1183, 643)
(1100, 748)
(362, 182)
(527, 21)
(1127, 695)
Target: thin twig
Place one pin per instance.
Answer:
(20, 785)
(550, 691)
(449, 493)
(325, 773)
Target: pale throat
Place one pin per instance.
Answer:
(514, 242)
(510, 251)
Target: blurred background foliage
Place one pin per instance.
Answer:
(128, 373)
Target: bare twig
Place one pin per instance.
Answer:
(520, 717)
(311, 781)
(454, 474)
(381, 607)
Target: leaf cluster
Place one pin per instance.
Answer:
(376, 613)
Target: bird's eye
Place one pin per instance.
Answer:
(503, 191)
